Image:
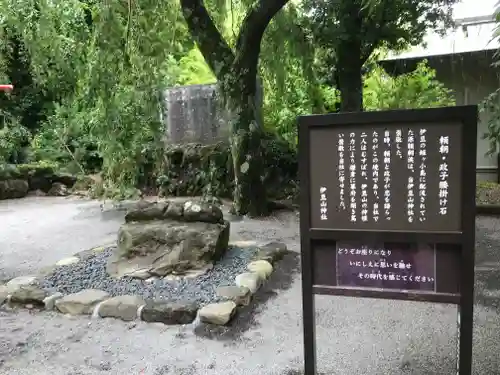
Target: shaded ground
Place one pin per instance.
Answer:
(355, 336)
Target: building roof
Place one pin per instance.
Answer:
(471, 34)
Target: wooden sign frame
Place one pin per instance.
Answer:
(317, 264)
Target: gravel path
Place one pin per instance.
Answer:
(355, 336)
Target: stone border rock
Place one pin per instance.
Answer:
(24, 291)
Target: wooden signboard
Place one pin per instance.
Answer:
(387, 210)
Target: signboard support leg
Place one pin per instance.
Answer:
(309, 327)
(464, 356)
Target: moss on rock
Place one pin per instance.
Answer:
(36, 177)
(194, 169)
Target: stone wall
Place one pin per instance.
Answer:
(195, 169)
(16, 181)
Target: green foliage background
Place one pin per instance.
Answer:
(88, 74)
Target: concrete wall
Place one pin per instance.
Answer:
(472, 79)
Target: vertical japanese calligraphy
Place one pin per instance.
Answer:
(375, 176)
(444, 150)
(387, 175)
(323, 203)
(410, 164)
(364, 178)
(422, 179)
(341, 174)
(396, 178)
(352, 175)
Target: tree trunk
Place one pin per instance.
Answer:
(349, 57)
(350, 79)
(249, 195)
(236, 72)
(242, 105)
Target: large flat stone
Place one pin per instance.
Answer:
(17, 282)
(217, 313)
(271, 252)
(238, 294)
(261, 267)
(121, 307)
(163, 247)
(250, 280)
(81, 303)
(68, 261)
(31, 294)
(169, 312)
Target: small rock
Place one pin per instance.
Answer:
(29, 306)
(50, 301)
(192, 274)
(172, 278)
(146, 212)
(121, 307)
(169, 312)
(21, 281)
(243, 244)
(58, 189)
(250, 280)
(82, 302)
(11, 189)
(217, 313)
(272, 252)
(239, 295)
(142, 274)
(100, 249)
(202, 211)
(65, 178)
(261, 267)
(29, 294)
(37, 193)
(68, 261)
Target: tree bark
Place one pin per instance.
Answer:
(349, 57)
(236, 73)
(350, 83)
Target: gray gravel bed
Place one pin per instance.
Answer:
(91, 274)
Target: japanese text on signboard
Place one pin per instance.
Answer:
(397, 178)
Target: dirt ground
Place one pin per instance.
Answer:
(354, 336)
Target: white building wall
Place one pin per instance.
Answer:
(472, 79)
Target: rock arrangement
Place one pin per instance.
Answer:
(170, 237)
(19, 181)
(28, 291)
(172, 264)
(192, 168)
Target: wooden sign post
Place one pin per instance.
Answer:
(387, 210)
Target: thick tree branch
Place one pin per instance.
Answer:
(256, 20)
(252, 30)
(212, 45)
